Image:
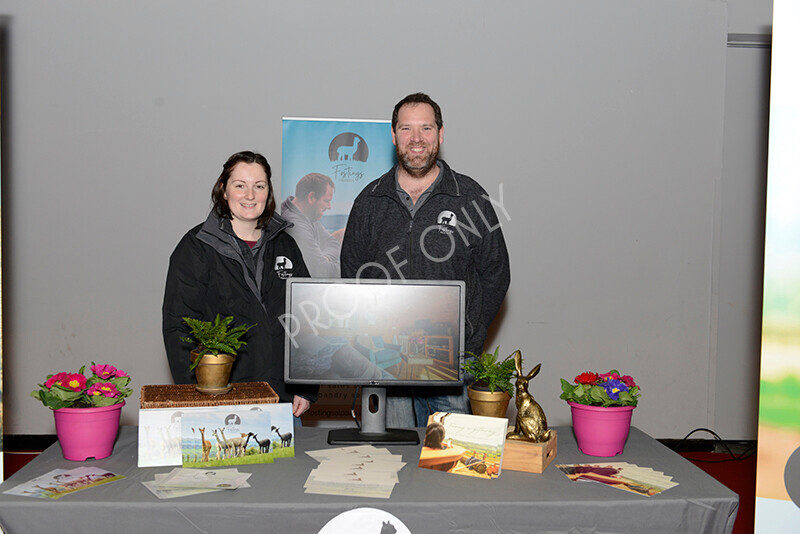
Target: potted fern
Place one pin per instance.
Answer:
(490, 393)
(217, 345)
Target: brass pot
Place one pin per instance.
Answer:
(213, 373)
(488, 403)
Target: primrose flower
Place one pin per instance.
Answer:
(610, 376)
(74, 381)
(614, 387)
(106, 389)
(104, 371)
(106, 386)
(586, 378)
(628, 380)
(603, 389)
(56, 379)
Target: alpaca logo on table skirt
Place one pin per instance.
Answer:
(365, 521)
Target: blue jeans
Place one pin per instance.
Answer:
(410, 407)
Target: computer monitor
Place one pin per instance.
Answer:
(375, 334)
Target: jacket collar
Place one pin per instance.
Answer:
(448, 185)
(221, 228)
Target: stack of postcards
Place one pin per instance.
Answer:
(59, 482)
(620, 475)
(181, 482)
(360, 471)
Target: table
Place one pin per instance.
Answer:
(425, 501)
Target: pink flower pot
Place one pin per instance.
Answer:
(601, 431)
(87, 432)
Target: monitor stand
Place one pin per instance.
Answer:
(373, 424)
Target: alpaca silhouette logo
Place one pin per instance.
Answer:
(365, 521)
(347, 147)
(233, 419)
(283, 267)
(447, 221)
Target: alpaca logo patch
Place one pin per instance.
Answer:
(447, 222)
(283, 267)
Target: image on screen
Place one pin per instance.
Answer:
(373, 332)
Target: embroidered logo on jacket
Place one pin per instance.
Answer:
(283, 267)
(447, 222)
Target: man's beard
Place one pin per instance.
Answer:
(406, 160)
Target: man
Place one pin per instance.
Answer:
(422, 220)
(320, 249)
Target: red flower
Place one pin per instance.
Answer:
(610, 376)
(587, 378)
(75, 382)
(628, 381)
(107, 389)
(57, 378)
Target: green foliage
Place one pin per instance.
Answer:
(489, 372)
(215, 337)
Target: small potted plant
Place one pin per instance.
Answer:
(86, 410)
(217, 346)
(601, 405)
(490, 393)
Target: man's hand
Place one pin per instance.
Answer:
(300, 406)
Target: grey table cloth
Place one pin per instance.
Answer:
(425, 501)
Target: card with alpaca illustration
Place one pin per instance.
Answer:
(160, 432)
(237, 435)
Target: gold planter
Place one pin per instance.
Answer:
(213, 373)
(488, 403)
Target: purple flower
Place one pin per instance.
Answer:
(613, 387)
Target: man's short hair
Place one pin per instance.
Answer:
(418, 98)
(313, 183)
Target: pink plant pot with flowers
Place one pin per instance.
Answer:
(86, 410)
(601, 406)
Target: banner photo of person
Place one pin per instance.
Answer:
(325, 165)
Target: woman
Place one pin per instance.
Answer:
(236, 263)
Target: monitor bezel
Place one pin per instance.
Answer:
(291, 282)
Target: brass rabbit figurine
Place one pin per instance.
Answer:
(531, 423)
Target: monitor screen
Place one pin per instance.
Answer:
(373, 332)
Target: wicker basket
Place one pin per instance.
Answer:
(186, 396)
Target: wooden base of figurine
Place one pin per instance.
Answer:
(528, 456)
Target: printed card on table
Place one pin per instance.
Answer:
(462, 444)
(160, 431)
(236, 436)
(59, 482)
(620, 475)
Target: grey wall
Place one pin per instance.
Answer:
(604, 124)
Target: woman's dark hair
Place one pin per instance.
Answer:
(218, 193)
(434, 436)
